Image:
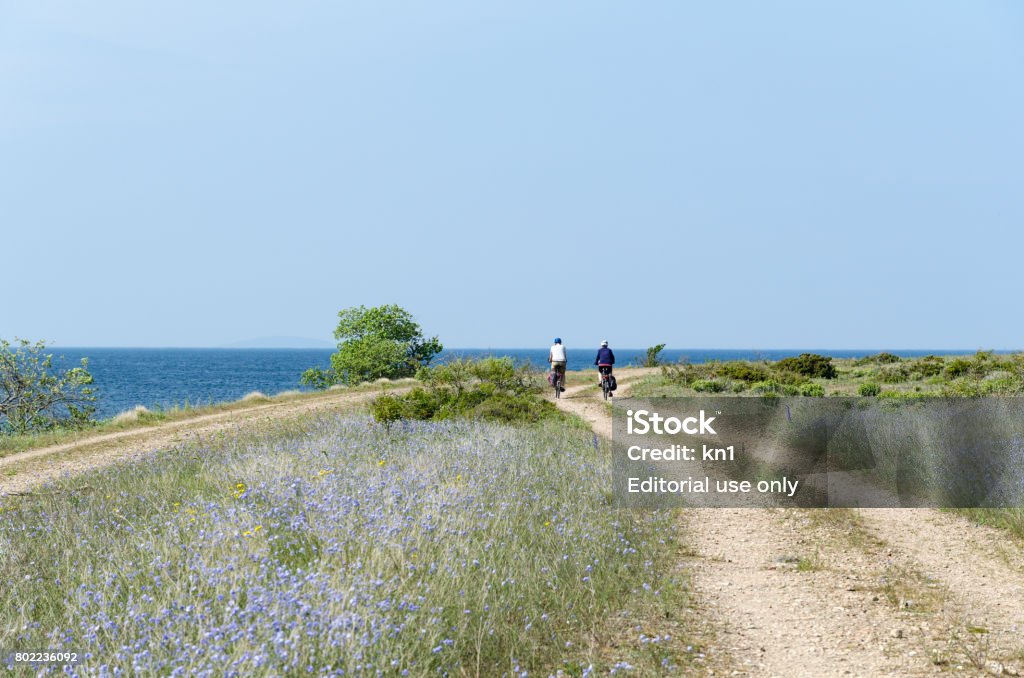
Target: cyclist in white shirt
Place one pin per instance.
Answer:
(556, 356)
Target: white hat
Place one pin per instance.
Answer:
(604, 342)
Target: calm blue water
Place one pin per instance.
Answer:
(164, 377)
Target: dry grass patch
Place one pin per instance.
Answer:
(909, 590)
(132, 415)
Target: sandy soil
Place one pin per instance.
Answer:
(873, 592)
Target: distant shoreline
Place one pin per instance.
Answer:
(476, 349)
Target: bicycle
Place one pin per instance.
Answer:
(606, 381)
(557, 378)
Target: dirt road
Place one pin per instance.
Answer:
(833, 592)
(23, 471)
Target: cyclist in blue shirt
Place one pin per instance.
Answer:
(605, 360)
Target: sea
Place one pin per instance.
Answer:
(169, 377)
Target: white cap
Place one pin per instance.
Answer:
(604, 342)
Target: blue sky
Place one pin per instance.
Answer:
(715, 174)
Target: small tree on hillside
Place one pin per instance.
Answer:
(383, 341)
(35, 396)
(653, 357)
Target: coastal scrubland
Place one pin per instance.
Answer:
(883, 375)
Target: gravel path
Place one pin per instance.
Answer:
(831, 592)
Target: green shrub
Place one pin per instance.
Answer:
(509, 409)
(768, 386)
(504, 376)
(893, 374)
(456, 374)
(882, 358)
(811, 390)
(1003, 386)
(709, 386)
(869, 389)
(499, 374)
(984, 363)
(772, 387)
(387, 409)
(928, 366)
(682, 373)
(419, 403)
(491, 388)
(981, 365)
(809, 365)
(787, 377)
(962, 388)
(904, 395)
(958, 368)
(743, 371)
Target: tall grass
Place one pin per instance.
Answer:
(12, 444)
(1006, 519)
(928, 448)
(336, 546)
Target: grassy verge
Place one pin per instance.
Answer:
(335, 543)
(982, 374)
(1011, 520)
(138, 419)
(885, 375)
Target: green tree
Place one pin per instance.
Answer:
(383, 341)
(35, 396)
(652, 359)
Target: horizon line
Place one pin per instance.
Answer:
(539, 347)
